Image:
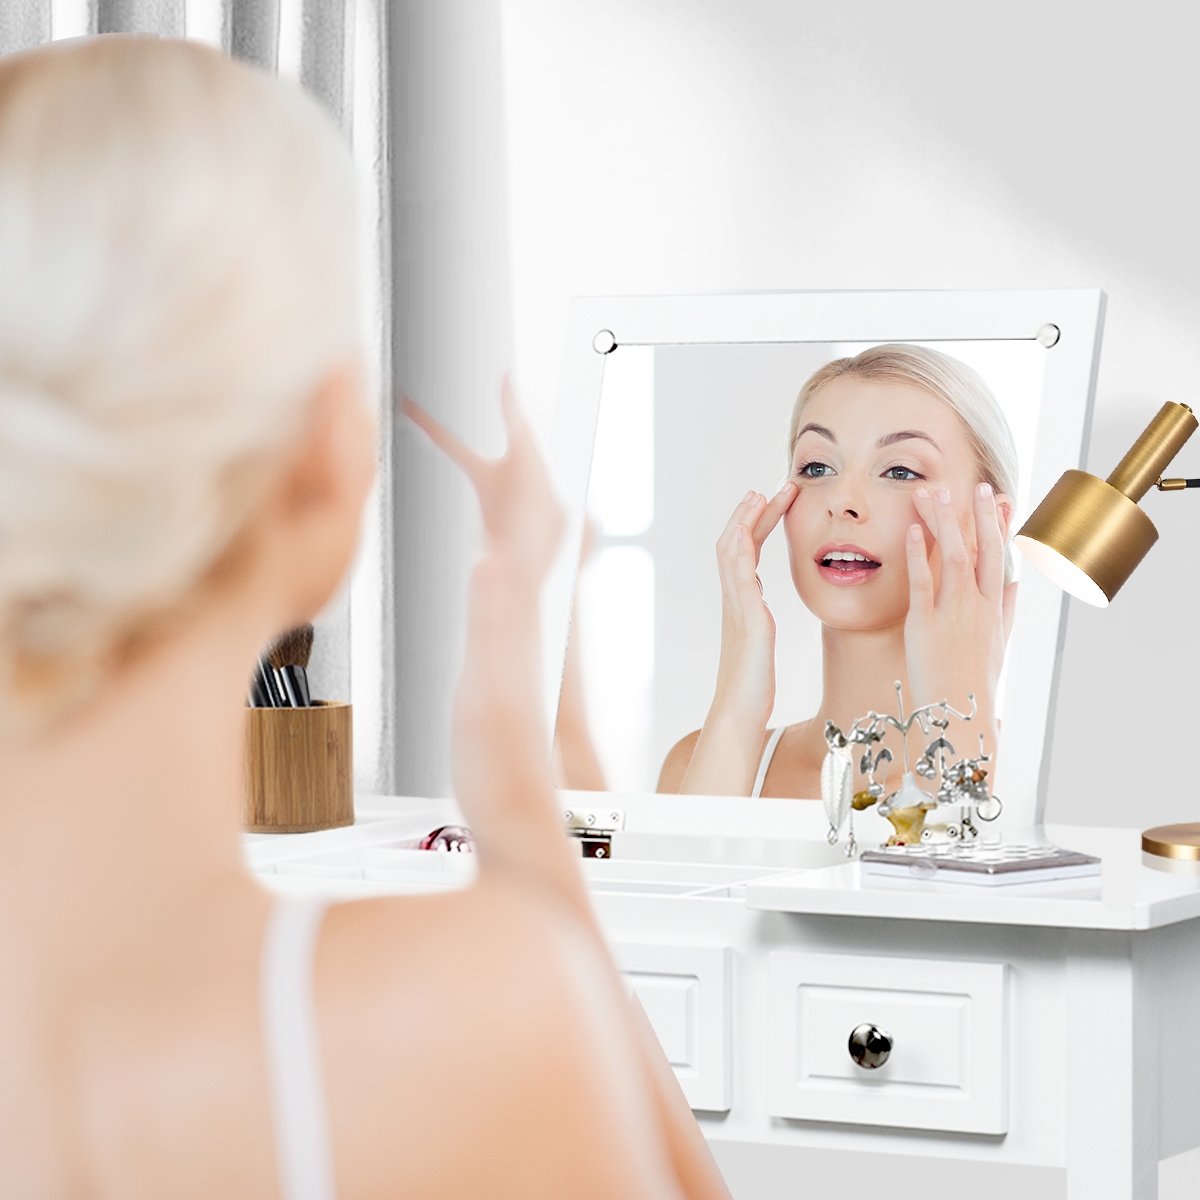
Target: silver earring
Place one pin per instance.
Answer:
(989, 809)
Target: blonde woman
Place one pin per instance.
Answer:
(184, 454)
(896, 511)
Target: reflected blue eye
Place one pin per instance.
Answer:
(911, 474)
(803, 472)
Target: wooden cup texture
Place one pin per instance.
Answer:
(298, 769)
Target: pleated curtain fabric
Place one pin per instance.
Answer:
(337, 49)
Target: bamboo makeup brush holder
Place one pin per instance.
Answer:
(298, 769)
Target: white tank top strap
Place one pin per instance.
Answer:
(768, 754)
(297, 1089)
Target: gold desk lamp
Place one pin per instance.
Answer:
(1089, 534)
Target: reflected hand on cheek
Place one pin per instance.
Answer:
(957, 624)
(954, 529)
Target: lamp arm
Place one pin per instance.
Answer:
(1155, 447)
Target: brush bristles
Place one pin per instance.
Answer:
(291, 649)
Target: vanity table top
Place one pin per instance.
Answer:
(758, 845)
(1133, 891)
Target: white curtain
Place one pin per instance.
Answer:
(431, 146)
(337, 49)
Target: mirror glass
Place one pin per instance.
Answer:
(683, 432)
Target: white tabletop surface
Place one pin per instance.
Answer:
(1132, 891)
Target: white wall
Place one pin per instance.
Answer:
(659, 146)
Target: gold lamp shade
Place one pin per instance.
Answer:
(1087, 536)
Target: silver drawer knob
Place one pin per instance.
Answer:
(870, 1046)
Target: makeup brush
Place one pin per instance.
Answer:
(258, 693)
(289, 654)
(269, 686)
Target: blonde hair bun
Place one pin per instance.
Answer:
(179, 272)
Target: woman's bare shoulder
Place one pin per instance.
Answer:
(675, 765)
(469, 1021)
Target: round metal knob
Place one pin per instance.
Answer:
(870, 1046)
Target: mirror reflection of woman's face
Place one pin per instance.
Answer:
(864, 447)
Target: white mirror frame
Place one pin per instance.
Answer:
(1035, 649)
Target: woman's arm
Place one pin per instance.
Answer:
(577, 762)
(501, 755)
(502, 783)
(725, 758)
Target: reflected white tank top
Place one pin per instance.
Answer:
(768, 754)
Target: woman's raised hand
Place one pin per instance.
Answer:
(522, 519)
(955, 636)
(746, 672)
(500, 762)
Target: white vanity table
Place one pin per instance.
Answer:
(1040, 1035)
(1042, 1032)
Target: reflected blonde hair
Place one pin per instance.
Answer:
(947, 379)
(178, 274)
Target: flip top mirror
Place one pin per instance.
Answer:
(674, 408)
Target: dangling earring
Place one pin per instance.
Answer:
(836, 781)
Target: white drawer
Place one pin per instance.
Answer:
(685, 991)
(948, 1023)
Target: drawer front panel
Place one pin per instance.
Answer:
(928, 1029)
(685, 991)
(948, 1022)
